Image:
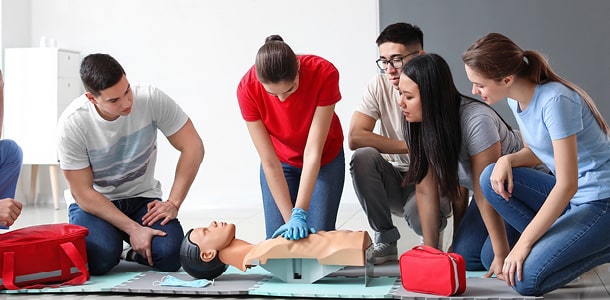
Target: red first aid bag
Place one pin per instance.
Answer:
(43, 256)
(425, 269)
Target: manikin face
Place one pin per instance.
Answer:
(282, 89)
(410, 101)
(114, 101)
(491, 91)
(215, 237)
(389, 51)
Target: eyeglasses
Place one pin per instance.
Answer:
(395, 61)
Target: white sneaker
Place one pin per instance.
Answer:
(127, 254)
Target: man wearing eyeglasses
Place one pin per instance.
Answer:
(380, 159)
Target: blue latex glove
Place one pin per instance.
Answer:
(296, 228)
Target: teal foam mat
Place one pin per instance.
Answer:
(328, 287)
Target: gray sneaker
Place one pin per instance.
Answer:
(383, 252)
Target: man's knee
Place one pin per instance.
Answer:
(166, 253)
(363, 158)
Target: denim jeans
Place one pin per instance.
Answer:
(324, 204)
(575, 243)
(10, 167)
(105, 242)
(471, 239)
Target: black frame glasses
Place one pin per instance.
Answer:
(383, 63)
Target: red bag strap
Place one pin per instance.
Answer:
(8, 269)
(428, 249)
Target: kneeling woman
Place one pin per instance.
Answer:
(564, 219)
(452, 138)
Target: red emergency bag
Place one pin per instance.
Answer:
(43, 256)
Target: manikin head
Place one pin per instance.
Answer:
(200, 248)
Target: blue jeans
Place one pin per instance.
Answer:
(10, 167)
(324, 204)
(471, 239)
(105, 242)
(577, 241)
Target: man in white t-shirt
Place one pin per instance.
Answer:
(380, 159)
(107, 140)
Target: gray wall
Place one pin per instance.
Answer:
(573, 35)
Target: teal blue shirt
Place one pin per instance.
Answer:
(557, 112)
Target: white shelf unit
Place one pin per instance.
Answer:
(39, 83)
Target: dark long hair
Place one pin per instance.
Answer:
(495, 56)
(435, 142)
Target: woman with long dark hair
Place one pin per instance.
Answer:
(452, 138)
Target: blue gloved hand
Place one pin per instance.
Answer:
(296, 228)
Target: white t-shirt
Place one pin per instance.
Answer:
(380, 102)
(122, 153)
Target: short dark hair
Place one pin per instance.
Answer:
(275, 61)
(100, 71)
(402, 33)
(190, 258)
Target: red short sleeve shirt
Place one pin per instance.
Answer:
(288, 122)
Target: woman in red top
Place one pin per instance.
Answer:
(288, 103)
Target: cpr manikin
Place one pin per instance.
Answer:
(206, 252)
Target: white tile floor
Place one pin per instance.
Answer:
(594, 284)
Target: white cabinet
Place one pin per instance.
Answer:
(39, 83)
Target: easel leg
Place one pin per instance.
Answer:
(54, 185)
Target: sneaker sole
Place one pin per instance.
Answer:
(381, 259)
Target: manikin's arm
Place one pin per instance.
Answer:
(189, 144)
(361, 135)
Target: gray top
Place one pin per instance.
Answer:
(481, 128)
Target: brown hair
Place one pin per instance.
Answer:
(495, 56)
(275, 61)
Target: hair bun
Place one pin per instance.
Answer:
(274, 38)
